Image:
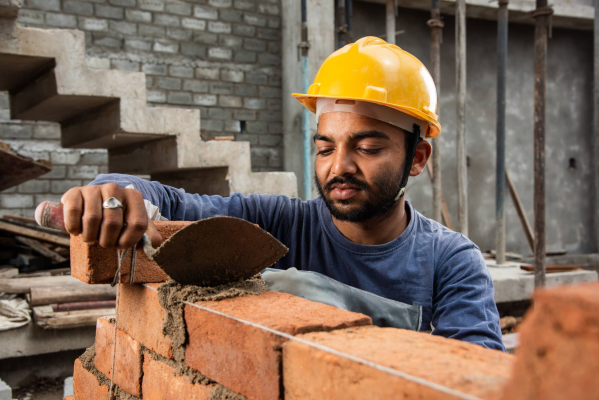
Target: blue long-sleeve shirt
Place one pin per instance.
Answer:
(427, 265)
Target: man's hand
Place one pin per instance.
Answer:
(121, 228)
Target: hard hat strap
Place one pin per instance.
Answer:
(412, 141)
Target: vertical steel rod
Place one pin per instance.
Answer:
(502, 28)
(436, 31)
(306, 114)
(595, 133)
(390, 14)
(460, 50)
(542, 15)
(342, 28)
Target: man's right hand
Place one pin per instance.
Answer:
(121, 227)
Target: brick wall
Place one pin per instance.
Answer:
(221, 56)
(41, 140)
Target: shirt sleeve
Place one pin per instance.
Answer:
(463, 304)
(271, 212)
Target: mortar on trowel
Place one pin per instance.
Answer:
(209, 252)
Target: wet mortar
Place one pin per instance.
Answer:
(172, 297)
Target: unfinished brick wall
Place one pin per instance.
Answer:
(275, 345)
(221, 56)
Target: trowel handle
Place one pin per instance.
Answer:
(50, 215)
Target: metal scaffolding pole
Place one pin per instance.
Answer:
(542, 16)
(340, 16)
(460, 52)
(436, 26)
(303, 48)
(390, 14)
(502, 28)
(595, 133)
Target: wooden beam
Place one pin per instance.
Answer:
(34, 234)
(444, 208)
(70, 294)
(41, 249)
(520, 210)
(24, 285)
(46, 318)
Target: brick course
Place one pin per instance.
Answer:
(311, 373)
(233, 353)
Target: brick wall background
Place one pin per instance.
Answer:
(221, 56)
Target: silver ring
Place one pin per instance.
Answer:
(112, 204)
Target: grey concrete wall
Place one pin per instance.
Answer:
(221, 56)
(569, 118)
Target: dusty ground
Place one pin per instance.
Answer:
(43, 389)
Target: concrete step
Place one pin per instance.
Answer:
(107, 109)
(10, 8)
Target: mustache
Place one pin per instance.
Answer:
(350, 180)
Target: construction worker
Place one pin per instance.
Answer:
(360, 245)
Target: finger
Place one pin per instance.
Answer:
(92, 214)
(154, 235)
(72, 210)
(112, 221)
(136, 219)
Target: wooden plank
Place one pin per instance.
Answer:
(24, 285)
(39, 248)
(36, 227)
(71, 294)
(46, 318)
(34, 234)
(552, 268)
(444, 208)
(16, 169)
(18, 218)
(520, 210)
(7, 273)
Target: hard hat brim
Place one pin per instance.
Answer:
(309, 101)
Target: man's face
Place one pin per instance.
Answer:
(359, 165)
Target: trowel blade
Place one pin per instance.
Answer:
(218, 250)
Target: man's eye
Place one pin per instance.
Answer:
(324, 152)
(370, 151)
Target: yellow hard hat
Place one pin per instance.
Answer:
(375, 71)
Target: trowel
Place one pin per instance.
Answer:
(216, 251)
(209, 252)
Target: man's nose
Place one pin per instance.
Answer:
(343, 163)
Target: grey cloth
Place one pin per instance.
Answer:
(322, 289)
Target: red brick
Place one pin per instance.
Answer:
(86, 386)
(558, 357)
(247, 359)
(127, 360)
(142, 318)
(312, 373)
(161, 383)
(69, 398)
(94, 264)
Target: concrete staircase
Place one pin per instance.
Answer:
(46, 74)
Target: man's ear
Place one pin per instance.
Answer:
(421, 157)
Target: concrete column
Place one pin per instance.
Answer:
(321, 35)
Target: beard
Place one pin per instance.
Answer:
(380, 196)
